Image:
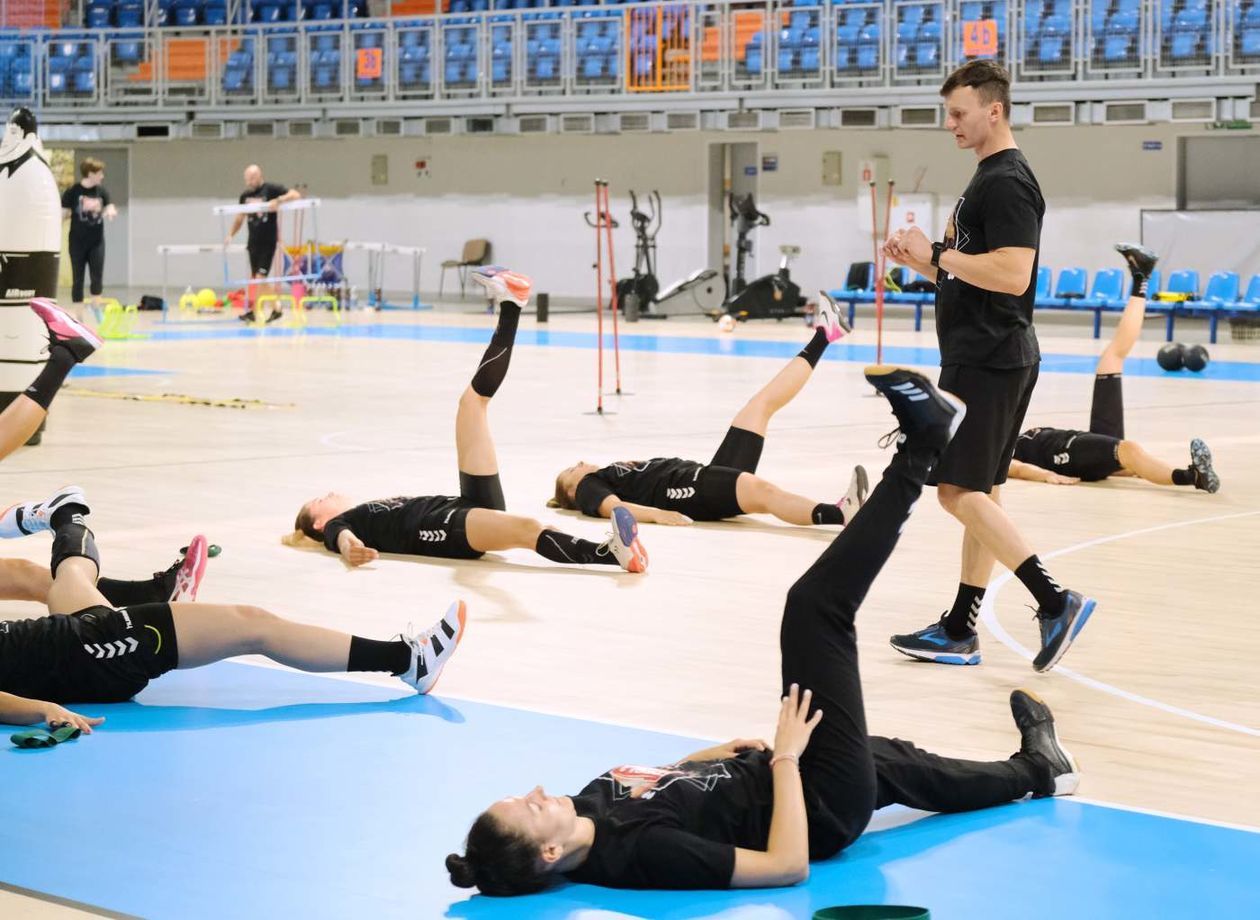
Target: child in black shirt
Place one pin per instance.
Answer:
(473, 523)
(671, 490)
(87, 206)
(740, 815)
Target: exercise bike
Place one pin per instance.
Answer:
(774, 296)
(641, 296)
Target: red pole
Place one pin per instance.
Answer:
(612, 285)
(599, 300)
(877, 268)
(883, 271)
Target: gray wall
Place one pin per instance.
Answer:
(527, 194)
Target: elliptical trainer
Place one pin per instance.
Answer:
(641, 294)
(770, 296)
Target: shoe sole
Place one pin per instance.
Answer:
(627, 534)
(1201, 460)
(863, 484)
(190, 582)
(516, 291)
(1073, 630)
(462, 615)
(42, 306)
(939, 658)
(1072, 779)
(833, 310)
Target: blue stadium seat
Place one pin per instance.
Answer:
(1222, 288)
(752, 59)
(1071, 285)
(1042, 292)
(97, 16)
(1108, 289)
(214, 13)
(810, 60)
(1184, 282)
(1252, 297)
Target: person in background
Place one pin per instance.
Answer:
(87, 206)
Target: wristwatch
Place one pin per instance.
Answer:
(937, 249)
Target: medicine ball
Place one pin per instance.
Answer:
(1172, 356)
(1195, 358)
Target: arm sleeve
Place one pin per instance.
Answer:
(105, 202)
(67, 199)
(1013, 214)
(333, 529)
(590, 494)
(672, 858)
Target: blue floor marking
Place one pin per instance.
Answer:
(101, 370)
(236, 791)
(723, 345)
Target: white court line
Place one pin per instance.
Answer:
(989, 617)
(1082, 800)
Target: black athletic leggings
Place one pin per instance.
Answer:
(88, 254)
(847, 774)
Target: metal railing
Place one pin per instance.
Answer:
(639, 50)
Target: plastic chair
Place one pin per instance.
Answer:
(1222, 288)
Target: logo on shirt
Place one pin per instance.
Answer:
(679, 494)
(112, 649)
(956, 235)
(386, 504)
(431, 536)
(646, 782)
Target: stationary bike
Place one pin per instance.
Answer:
(771, 296)
(640, 295)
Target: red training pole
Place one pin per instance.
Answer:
(879, 278)
(883, 272)
(599, 301)
(612, 286)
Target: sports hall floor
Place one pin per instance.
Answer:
(247, 791)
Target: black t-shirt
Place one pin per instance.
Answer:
(388, 525)
(1001, 207)
(682, 832)
(262, 226)
(29, 649)
(662, 482)
(1045, 447)
(87, 211)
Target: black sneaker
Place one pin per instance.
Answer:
(935, 644)
(1040, 739)
(275, 315)
(1060, 627)
(1141, 260)
(928, 417)
(1205, 477)
(247, 316)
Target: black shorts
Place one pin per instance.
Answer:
(1089, 457)
(1106, 412)
(740, 449)
(482, 491)
(261, 255)
(442, 529)
(714, 498)
(979, 456)
(99, 654)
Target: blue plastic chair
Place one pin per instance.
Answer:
(1071, 286)
(1042, 292)
(1108, 289)
(1222, 288)
(1184, 282)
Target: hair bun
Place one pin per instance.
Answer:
(461, 871)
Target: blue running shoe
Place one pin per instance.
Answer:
(1060, 628)
(935, 644)
(624, 541)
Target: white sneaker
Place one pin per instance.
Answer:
(831, 318)
(500, 284)
(855, 498)
(433, 648)
(26, 518)
(624, 541)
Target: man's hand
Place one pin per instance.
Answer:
(908, 246)
(273, 204)
(353, 550)
(57, 716)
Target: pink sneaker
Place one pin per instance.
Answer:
(190, 572)
(831, 318)
(64, 329)
(501, 284)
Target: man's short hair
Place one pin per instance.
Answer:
(89, 166)
(988, 78)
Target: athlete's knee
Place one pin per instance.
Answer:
(755, 494)
(950, 497)
(527, 529)
(252, 624)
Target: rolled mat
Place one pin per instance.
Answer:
(873, 912)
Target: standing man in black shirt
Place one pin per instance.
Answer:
(984, 270)
(743, 816)
(263, 228)
(87, 206)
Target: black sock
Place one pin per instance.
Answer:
(74, 539)
(560, 547)
(827, 514)
(494, 363)
(813, 352)
(121, 593)
(1184, 477)
(65, 514)
(1138, 287)
(960, 622)
(1047, 591)
(393, 656)
(46, 385)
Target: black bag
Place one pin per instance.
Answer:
(149, 302)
